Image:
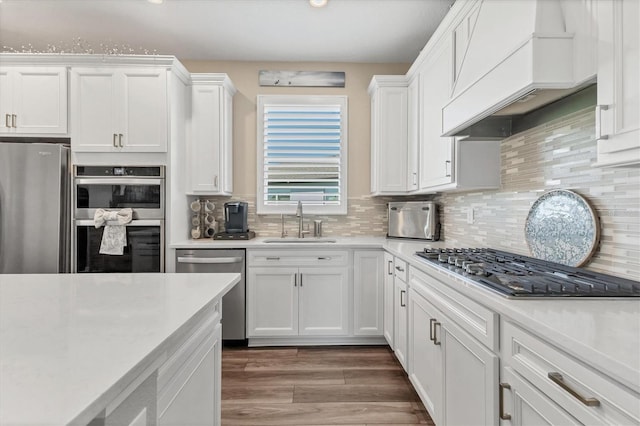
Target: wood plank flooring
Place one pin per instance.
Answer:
(341, 385)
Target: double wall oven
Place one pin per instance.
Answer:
(112, 188)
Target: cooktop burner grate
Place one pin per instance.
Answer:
(519, 276)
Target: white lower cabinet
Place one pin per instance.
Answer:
(400, 312)
(368, 293)
(189, 382)
(388, 300)
(542, 385)
(290, 300)
(454, 374)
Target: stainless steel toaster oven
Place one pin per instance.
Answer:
(414, 219)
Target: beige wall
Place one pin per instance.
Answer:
(245, 77)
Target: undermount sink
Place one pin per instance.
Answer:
(300, 240)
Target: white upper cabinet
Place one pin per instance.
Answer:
(210, 143)
(447, 163)
(33, 100)
(436, 152)
(413, 135)
(117, 109)
(618, 110)
(389, 155)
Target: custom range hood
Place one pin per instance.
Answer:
(510, 58)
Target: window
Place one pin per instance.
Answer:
(302, 154)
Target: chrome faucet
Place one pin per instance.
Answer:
(300, 217)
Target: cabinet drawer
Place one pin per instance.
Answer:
(297, 257)
(587, 395)
(400, 269)
(475, 319)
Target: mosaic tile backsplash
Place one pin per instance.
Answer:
(556, 155)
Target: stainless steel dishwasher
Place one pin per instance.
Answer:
(233, 303)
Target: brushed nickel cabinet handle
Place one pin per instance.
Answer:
(599, 109)
(402, 303)
(295, 280)
(415, 178)
(399, 269)
(431, 330)
(115, 140)
(559, 380)
(447, 168)
(435, 338)
(273, 258)
(300, 279)
(215, 181)
(14, 119)
(120, 140)
(503, 415)
(7, 120)
(390, 267)
(324, 258)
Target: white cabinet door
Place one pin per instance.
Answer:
(323, 299)
(388, 299)
(524, 405)
(144, 107)
(425, 370)
(368, 293)
(94, 110)
(470, 375)
(6, 100)
(198, 385)
(210, 141)
(413, 134)
(272, 302)
(205, 141)
(119, 110)
(389, 109)
(618, 110)
(400, 321)
(436, 152)
(33, 100)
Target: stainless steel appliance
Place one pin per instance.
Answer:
(113, 188)
(517, 276)
(414, 219)
(233, 303)
(235, 217)
(34, 208)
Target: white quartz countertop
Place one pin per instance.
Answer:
(70, 343)
(288, 242)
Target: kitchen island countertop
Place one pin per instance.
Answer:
(71, 343)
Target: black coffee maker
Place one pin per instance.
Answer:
(235, 217)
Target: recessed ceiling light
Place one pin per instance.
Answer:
(318, 3)
(155, 1)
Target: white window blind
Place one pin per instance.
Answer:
(302, 154)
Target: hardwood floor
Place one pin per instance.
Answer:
(340, 385)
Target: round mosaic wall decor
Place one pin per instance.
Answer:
(562, 227)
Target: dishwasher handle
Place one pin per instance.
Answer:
(209, 260)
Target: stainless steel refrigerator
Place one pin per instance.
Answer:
(34, 208)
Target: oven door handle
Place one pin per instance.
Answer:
(135, 222)
(118, 181)
(209, 260)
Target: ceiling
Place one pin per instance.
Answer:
(391, 31)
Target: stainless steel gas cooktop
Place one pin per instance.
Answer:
(518, 276)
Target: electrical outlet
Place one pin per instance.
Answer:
(470, 215)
